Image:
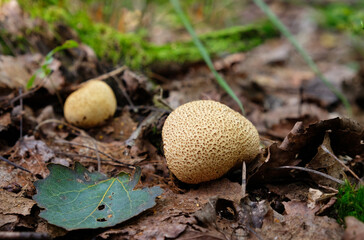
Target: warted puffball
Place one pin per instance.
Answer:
(204, 139)
(90, 105)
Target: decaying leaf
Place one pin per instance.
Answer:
(324, 159)
(16, 71)
(316, 197)
(8, 220)
(12, 203)
(173, 216)
(12, 207)
(299, 222)
(301, 145)
(77, 199)
(5, 121)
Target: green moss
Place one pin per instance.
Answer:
(350, 202)
(342, 17)
(231, 40)
(133, 50)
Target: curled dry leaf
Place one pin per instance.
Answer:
(301, 144)
(324, 159)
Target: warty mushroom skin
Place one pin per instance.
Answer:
(90, 105)
(204, 139)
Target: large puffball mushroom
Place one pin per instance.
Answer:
(204, 139)
(90, 105)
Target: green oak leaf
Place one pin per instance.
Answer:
(78, 199)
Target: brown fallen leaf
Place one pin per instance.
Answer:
(301, 144)
(323, 160)
(298, 208)
(354, 229)
(173, 215)
(8, 222)
(300, 228)
(13, 19)
(228, 61)
(315, 90)
(12, 203)
(300, 223)
(16, 71)
(52, 230)
(5, 121)
(33, 155)
(136, 87)
(293, 191)
(120, 128)
(12, 206)
(282, 129)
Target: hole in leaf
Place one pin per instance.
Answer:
(101, 207)
(225, 208)
(87, 177)
(38, 176)
(101, 220)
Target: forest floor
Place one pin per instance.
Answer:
(301, 124)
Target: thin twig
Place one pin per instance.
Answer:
(15, 165)
(110, 74)
(113, 74)
(94, 158)
(24, 235)
(85, 146)
(151, 118)
(204, 53)
(342, 164)
(312, 171)
(160, 78)
(254, 232)
(125, 94)
(83, 133)
(23, 95)
(153, 108)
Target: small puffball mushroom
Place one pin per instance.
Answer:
(204, 139)
(90, 105)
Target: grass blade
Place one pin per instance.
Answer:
(204, 53)
(261, 4)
